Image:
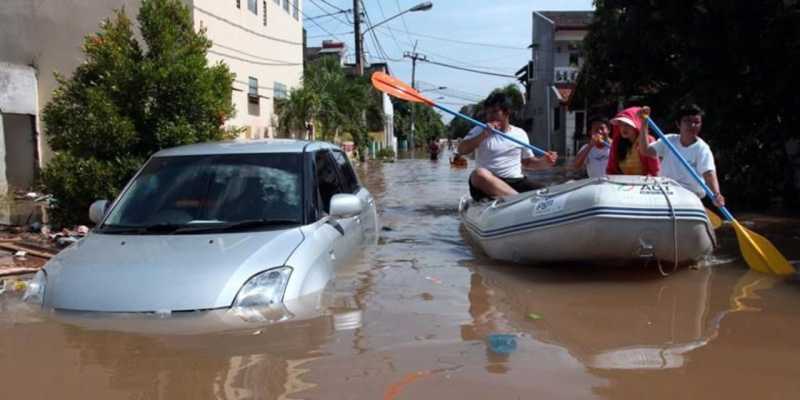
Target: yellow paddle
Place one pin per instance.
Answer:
(715, 220)
(759, 253)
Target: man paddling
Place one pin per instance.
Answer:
(694, 149)
(500, 162)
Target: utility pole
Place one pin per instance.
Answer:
(414, 56)
(357, 32)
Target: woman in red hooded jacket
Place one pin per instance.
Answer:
(625, 158)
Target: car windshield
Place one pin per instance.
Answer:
(204, 193)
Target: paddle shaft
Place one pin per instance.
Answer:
(536, 150)
(725, 213)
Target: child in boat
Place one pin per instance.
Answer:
(593, 156)
(625, 157)
(689, 120)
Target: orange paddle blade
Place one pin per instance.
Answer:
(396, 88)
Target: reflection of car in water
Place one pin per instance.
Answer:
(214, 226)
(607, 327)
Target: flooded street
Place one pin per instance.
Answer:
(424, 315)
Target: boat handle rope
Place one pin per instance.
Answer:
(674, 231)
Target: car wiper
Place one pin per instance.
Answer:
(245, 224)
(133, 229)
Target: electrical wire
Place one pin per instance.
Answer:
(466, 69)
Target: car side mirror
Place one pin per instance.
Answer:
(345, 205)
(97, 211)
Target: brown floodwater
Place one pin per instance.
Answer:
(424, 315)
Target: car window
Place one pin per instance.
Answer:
(328, 183)
(350, 181)
(219, 189)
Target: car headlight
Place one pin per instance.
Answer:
(34, 293)
(264, 289)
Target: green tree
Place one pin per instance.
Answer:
(333, 101)
(737, 59)
(127, 101)
(428, 123)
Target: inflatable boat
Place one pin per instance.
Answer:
(614, 218)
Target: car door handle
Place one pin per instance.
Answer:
(358, 220)
(332, 254)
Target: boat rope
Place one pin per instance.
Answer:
(674, 231)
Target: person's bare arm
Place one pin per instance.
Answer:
(711, 180)
(548, 160)
(645, 148)
(582, 156)
(467, 146)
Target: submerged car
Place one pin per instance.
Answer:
(216, 226)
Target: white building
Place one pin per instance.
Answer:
(260, 40)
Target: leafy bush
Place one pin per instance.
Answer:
(127, 101)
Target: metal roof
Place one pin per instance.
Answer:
(245, 147)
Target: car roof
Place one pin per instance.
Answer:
(242, 146)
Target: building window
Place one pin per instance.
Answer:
(238, 3)
(286, 5)
(252, 5)
(295, 10)
(278, 2)
(279, 90)
(264, 6)
(252, 90)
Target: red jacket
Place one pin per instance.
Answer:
(650, 165)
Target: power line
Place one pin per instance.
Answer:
(498, 46)
(467, 69)
(234, 24)
(327, 15)
(402, 18)
(374, 36)
(277, 62)
(383, 15)
(337, 9)
(294, 5)
(282, 64)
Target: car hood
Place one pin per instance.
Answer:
(155, 273)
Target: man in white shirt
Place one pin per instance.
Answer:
(594, 155)
(501, 161)
(694, 149)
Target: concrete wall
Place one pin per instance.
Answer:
(542, 100)
(47, 35)
(271, 53)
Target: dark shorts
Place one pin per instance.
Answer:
(518, 184)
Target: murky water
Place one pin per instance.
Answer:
(422, 315)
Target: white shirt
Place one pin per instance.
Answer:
(499, 155)
(698, 154)
(597, 160)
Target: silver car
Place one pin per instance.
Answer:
(216, 226)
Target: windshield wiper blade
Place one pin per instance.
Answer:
(245, 224)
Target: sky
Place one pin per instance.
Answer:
(488, 35)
